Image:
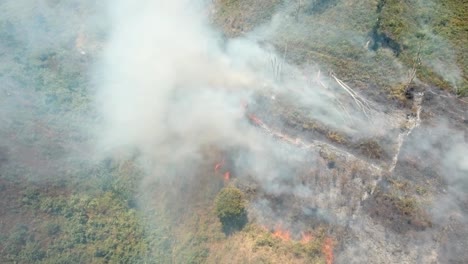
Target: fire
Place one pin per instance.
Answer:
(282, 234)
(255, 119)
(327, 250)
(306, 237)
(219, 166)
(227, 176)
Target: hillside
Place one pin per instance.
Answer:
(234, 131)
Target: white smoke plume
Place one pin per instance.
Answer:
(167, 82)
(169, 78)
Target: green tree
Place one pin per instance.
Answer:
(230, 208)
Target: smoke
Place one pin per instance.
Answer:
(44, 120)
(169, 77)
(170, 85)
(167, 83)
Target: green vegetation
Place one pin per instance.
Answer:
(230, 208)
(436, 30)
(84, 228)
(94, 226)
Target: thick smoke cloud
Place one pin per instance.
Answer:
(167, 82)
(169, 76)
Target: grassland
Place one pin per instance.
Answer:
(370, 44)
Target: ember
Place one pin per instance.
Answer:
(219, 166)
(227, 176)
(306, 237)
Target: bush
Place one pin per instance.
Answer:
(230, 208)
(53, 229)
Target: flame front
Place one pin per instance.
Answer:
(255, 119)
(282, 234)
(327, 250)
(219, 166)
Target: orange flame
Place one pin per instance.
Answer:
(219, 166)
(227, 176)
(306, 237)
(282, 234)
(327, 250)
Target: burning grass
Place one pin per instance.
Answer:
(257, 244)
(282, 234)
(226, 175)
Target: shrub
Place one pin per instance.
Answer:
(53, 229)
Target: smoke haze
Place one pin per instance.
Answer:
(158, 82)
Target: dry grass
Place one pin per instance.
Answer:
(236, 17)
(257, 245)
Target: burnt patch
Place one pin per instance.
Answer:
(409, 93)
(371, 149)
(380, 38)
(399, 213)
